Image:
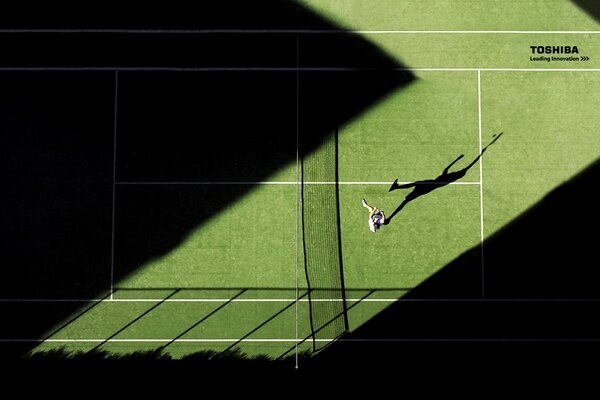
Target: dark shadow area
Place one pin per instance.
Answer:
(490, 359)
(234, 14)
(57, 134)
(591, 7)
(426, 186)
(55, 171)
(206, 359)
(56, 175)
(541, 288)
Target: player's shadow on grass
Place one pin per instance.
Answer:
(426, 186)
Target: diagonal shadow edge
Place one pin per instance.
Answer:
(368, 88)
(528, 231)
(591, 7)
(317, 116)
(529, 294)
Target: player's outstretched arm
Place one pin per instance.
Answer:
(368, 207)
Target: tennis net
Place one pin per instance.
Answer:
(321, 238)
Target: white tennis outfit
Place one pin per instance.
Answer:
(376, 221)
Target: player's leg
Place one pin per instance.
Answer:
(368, 207)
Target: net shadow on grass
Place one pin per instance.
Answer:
(133, 321)
(201, 320)
(57, 163)
(342, 316)
(262, 324)
(232, 351)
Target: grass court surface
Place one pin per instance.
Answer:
(158, 206)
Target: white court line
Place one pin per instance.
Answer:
(156, 340)
(383, 300)
(288, 69)
(295, 183)
(300, 31)
(481, 183)
(216, 300)
(292, 340)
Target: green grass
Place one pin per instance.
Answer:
(224, 252)
(427, 234)
(550, 123)
(552, 130)
(228, 321)
(454, 14)
(415, 132)
(482, 50)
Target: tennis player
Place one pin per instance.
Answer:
(376, 217)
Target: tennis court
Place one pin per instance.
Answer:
(161, 202)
